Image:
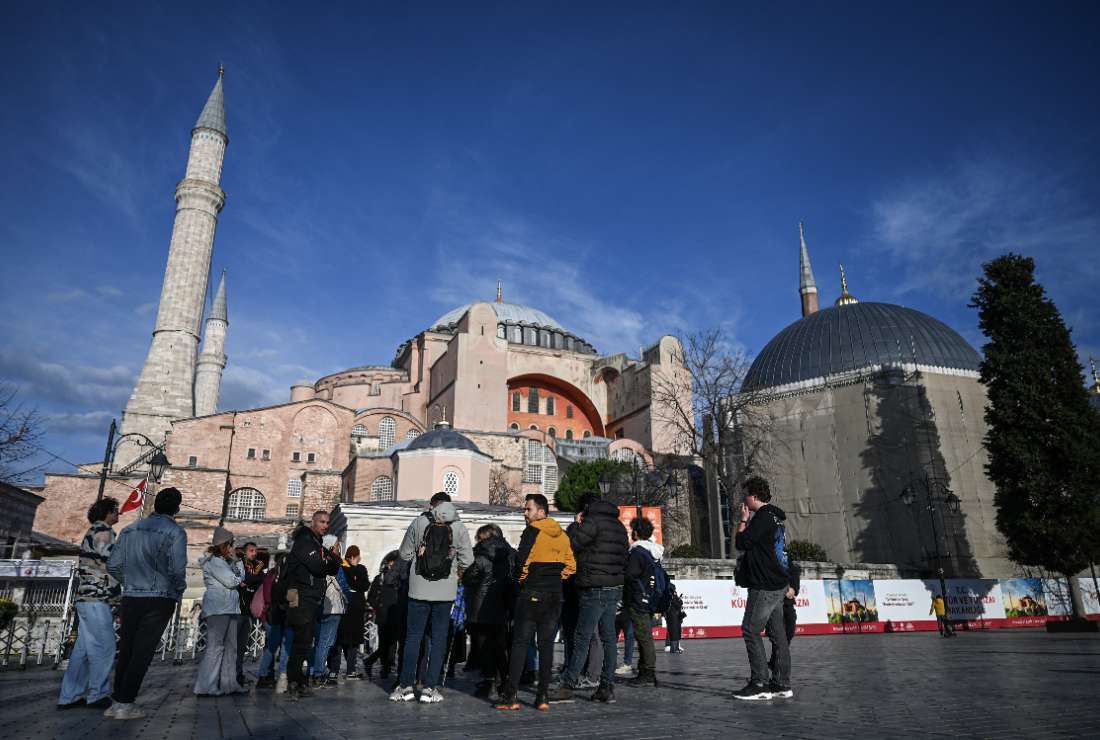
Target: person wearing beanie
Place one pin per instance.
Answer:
(222, 573)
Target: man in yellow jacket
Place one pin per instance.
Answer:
(940, 609)
(544, 559)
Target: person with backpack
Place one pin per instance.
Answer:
(645, 593)
(674, 620)
(601, 548)
(253, 579)
(387, 599)
(273, 616)
(544, 559)
(307, 569)
(763, 570)
(790, 612)
(349, 636)
(437, 546)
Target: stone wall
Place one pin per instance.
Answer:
(701, 569)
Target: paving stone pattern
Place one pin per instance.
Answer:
(998, 684)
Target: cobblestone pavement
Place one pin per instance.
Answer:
(997, 684)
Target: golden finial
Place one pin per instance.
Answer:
(846, 298)
(1095, 376)
(500, 291)
(221, 70)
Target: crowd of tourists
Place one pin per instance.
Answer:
(440, 599)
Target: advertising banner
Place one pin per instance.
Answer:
(905, 606)
(35, 568)
(851, 606)
(1090, 596)
(652, 513)
(973, 601)
(1058, 597)
(713, 608)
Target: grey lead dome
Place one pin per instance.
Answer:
(443, 438)
(851, 337)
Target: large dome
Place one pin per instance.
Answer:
(509, 313)
(853, 337)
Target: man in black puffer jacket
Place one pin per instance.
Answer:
(601, 548)
(307, 565)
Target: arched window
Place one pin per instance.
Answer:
(531, 337)
(514, 426)
(544, 338)
(412, 434)
(382, 489)
(534, 427)
(549, 405)
(533, 400)
(246, 503)
(517, 400)
(450, 483)
(623, 454)
(552, 432)
(358, 431)
(500, 331)
(569, 434)
(587, 434)
(387, 432)
(517, 335)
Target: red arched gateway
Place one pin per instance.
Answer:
(553, 406)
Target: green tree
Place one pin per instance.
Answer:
(584, 477)
(687, 551)
(1044, 438)
(806, 551)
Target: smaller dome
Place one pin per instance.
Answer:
(443, 438)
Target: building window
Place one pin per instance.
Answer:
(292, 510)
(296, 457)
(533, 400)
(412, 434)
(587, 434)
(568, 411)
(517, 399)
(544, 339)
(387, 432)
(534, 427)
(569, 434)
(517, 335)
(382, 489)
(358, 431)
(514, 426)
(192, 461)
(532, 474)
(623, 454)
(500, 331)
(552, 432)
(550, 481)
(311, 457)
(265, 455)
(294, 488)
(619, 434)
(251, 453)
(549, 405)
(450, 483)
(246, 503)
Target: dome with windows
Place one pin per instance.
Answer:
(442, 438)
(854, 336)
(521, 324)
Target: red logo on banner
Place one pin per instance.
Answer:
(137, 497)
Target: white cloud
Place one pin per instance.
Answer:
(66, 295)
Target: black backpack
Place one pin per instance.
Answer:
(436, 553)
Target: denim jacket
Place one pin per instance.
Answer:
(221, 580)
(150, 558)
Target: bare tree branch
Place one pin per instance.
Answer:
(20, 433)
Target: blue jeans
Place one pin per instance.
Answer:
(598, 607)
(92, 657)
(275, 635)
(422, 615)
(326, 636)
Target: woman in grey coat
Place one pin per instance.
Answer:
(222, 572)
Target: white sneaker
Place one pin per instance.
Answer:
(281, 684)
(431, 696)
(668, 648)
(110, 711)
(403, 693)
(624, 670)
(127, 711)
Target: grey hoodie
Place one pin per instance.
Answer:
(444, 589)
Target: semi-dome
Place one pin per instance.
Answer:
(519, 324)
(855, 336)
(442, 438)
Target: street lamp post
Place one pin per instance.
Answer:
(158, 463)
(948, 498)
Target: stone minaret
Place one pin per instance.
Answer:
(807, 287)
(208, 372)
(165, 389)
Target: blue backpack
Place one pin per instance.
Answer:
(781, 546)
(656, 588)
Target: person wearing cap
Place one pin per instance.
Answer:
(222, 574)
(149, 559)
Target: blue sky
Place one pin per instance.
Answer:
(631, 169)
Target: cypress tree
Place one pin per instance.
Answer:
(1044, 436)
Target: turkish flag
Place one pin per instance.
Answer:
(137, 497)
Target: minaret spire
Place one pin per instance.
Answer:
(846, 298)
(500, 291)
(807, 286)
(165, 390)
(1095, 376)
(211, 363)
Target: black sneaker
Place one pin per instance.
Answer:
(605, 693)
(265, 682)
(753, 692)
(644, 679)
(353, 677)
(561, 692)
(778, 691)
(527, 678)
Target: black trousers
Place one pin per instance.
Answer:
(142, 623)
(244, 632)
(490, 645)
(304, 621)
(537, 613)
(790, 625)
(388, 637)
